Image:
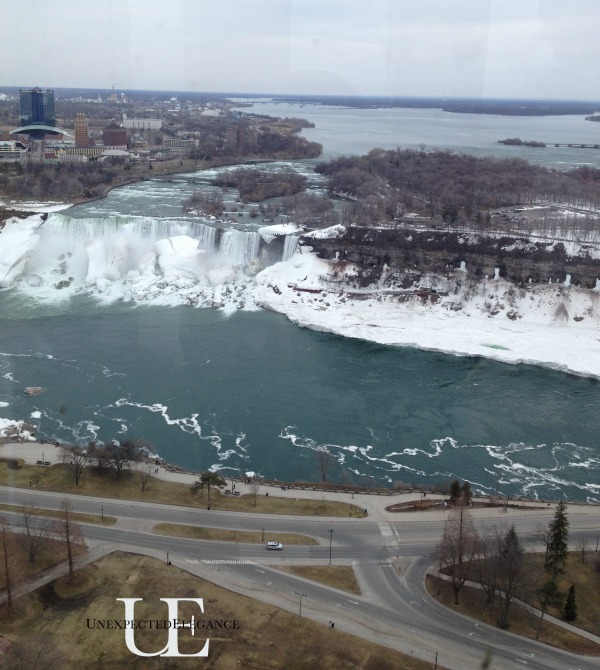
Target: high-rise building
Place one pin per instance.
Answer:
(82, 131)
(37, 107)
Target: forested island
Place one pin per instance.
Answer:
(518, 142)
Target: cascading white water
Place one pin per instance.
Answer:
(79, 231)
(133, 258)
(290, 245)
(240, 247)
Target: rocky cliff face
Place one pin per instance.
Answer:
(409, 254)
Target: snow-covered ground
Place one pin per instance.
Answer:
(555, 325)
(35, 207)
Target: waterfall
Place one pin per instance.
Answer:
(241, 248)
(79, 231)
(290, 245)
(133, 257)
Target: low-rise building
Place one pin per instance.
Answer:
(11, 150)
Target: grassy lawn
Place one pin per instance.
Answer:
(222, 535)
(48, 553)
(587, 586)
(275, 505)
(586, 578)
(128, 487)
(340, 577)
(56, 514)
(62, 620)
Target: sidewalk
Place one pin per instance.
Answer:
(529, 608)
(38, 453)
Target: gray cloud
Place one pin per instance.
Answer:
(501, 48)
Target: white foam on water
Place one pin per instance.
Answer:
(137, 259)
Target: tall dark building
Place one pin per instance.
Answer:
(37, 107)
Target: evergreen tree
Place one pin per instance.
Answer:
(571, 605)
(207, 479)
(558, 542)
(467, 492)
(455, 491)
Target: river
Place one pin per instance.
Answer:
(245, 390)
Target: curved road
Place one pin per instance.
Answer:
(390, 558)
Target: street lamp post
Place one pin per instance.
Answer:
(300, 596)
(330, 531)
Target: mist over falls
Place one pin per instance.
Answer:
(136, 258)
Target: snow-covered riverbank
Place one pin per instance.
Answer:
(550, 324)
(554, 325)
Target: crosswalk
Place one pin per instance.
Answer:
(389, 534)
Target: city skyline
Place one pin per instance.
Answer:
(539, 49)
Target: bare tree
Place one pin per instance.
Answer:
(510, 571)
(324, 462)
(542, 534)
(549, 596)
(118, 457)
(7, 562)
(345, 477)
(76, 459)
(36, 531)
(487, 565)
(368, 481)
(254, 489)
(582, 546)
(69, 532)
(458, 548)
(144, 471)
(98, 452)
(122, 454)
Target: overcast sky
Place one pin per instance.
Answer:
(471, 48)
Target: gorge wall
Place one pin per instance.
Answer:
(410, 254)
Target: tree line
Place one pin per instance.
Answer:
(56, 180)
(385, 184)
(39, 544)
(495, 559)
(117, 457)
(258, 185)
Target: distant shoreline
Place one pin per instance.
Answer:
(453, 105)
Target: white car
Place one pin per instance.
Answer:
(277, 546)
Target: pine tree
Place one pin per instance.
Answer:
(455, 491)
(558, 541)
(571, 605)
(467, 492)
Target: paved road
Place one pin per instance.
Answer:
(390, 555)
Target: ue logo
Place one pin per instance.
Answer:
(171, 649)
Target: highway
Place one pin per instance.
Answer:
(390, 558)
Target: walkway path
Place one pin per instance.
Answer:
(375, 504)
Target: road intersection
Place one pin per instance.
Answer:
(390, 553)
